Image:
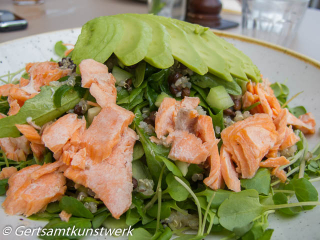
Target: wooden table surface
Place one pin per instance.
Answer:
(56, 15)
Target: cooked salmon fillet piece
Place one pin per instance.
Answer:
(5, 89)
(189, 102)
(16, 149)
(186, 119)
(23, 82)
(204, 130)
(279, 174)
(56, 135)
(274, 162)
(165, 117)
(7, 172)
(45, 169)
(263, 93)
(290, 139)
(95, 76)
(2, 115)
(229, 174)
(174, 115)
(306, 123)
(110, 180)
(186, 147)
(38, 150)
(79, 159)
(29, 132)
(27, 196)
(42, 73)
(281, 126)
(248, 141)
(105, 131)
(14, 106)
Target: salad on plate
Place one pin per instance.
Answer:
(154, 124)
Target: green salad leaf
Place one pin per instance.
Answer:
(260, 181)
(60, 49)
(75, 207)
(40, 109)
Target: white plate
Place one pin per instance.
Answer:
(276, 63)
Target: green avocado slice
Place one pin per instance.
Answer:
(216, 64)
(235, 63)
(159, 52)
(249, 68)
(98, 39)
(135, 41)
(182, 50)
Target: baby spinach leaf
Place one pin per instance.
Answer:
(260, 181)
(281, 91)
(304, 190)
(60, 49)
(40, 108)
(137, 151)
(189, 237)
(4, 105)
(220, 196)
(159, 81)
(122, 93)
(44, 216)
(165, 209)
(61, 91)
(175, 189)
(135, 92)
(281, 198)
(152, 150)
(75, 207)
(140, 234)
(99, 219)
(298, 111)
(132, 217)
(140, 72)
(57, 229)
(165, 234)
(257, 229)
(170, 165)
(140, 208)
(3, 186)
(193, 169)
(151, 96)
(53, 207)
(209, 81)
(267, 235)
(239, 209)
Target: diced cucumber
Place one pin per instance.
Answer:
(92, 112)
(112, 223)
(183, 166)
(138, 151)
(140, 171)
(219, 98)
(160, 98)
(120, 75)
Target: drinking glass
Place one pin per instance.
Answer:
(275, 21)
(168, 8)
(27, 2)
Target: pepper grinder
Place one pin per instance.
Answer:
(207, 13)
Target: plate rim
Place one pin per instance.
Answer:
(243, 38)
(278, 48)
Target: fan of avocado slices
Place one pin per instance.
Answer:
(153, 57)
(159, 41)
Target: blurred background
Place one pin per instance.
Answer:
(290, 23)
